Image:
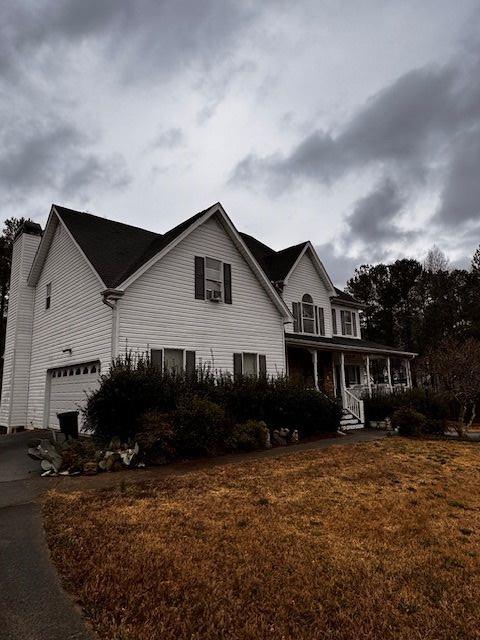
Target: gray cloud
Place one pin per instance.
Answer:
(54, 157)
(406, 129)
(146, 38)
(169, 138)
(460, 200)
(375, 216)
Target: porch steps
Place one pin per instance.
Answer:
(349, 421)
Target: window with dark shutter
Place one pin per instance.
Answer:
(199, 278)
(156, 358)
(334, 321)
(262, 366)
(237, 365)
(227, 282)
(296, 317)
(190, 362)
(354, 323)
(321, 321)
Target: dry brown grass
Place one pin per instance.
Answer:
(375, 541)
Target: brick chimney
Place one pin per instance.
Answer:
(18, 342)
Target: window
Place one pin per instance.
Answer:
(347, 324)
(213, 276)
(352, 374)
(334, 321)
(48, 296)
(249, 364)
(173, 360)
(308, 317)
(213, 280)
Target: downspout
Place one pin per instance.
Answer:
(110, 297)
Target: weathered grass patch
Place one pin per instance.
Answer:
(376, 541)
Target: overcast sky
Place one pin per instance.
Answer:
(353, 124)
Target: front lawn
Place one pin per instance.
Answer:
(377, 541)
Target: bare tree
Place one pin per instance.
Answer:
(456, 368)
(436, 260)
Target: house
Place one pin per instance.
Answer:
(87, 289)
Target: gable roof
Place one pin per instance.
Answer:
(276, 264)
(114, 249)
(345, 298)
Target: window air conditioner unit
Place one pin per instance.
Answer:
(214, 295)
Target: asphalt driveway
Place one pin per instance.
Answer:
(33, 605)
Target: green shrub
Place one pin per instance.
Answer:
(382, 405)
(200, 427)
(409, 422)
(248, 436)
(132, 388)
(155, 437)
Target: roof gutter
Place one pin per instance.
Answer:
(340, 347)
(110, 297)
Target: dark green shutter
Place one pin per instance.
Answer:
(227, 282)
(262, 366)
(237, 365)
(334, 321)
(156, 358)
(296, 317)
(199, 278)
(190, 362)
(321, 321)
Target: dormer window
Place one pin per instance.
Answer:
(349, 323)
(308, 314)
(48, 295)
(308, 318)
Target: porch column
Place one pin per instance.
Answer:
(369, 384)
(334, 376)
(409, 373)
(315, 367)
(389, 373)
(342, 364)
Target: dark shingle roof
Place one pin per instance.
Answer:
(342, 296)
(276, 264)
(340, 341)
(117, 250)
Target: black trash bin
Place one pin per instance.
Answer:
(69, 423)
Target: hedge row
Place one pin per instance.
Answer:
(132, 388)
(432, 405)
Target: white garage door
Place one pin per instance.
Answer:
(68, 387)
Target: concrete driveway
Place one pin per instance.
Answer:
(33, 605)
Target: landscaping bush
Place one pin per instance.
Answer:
(381, 405)
(132, 389)
(156, 437)
(200, 427)
(248, 436)
(409, 422)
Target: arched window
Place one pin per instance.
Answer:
(308, 314)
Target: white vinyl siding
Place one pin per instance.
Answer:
(77, 320)
(13, 407)
(159, 309)
(305, 279)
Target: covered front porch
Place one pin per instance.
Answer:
(348, 369)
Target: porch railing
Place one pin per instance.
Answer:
(354, 405)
